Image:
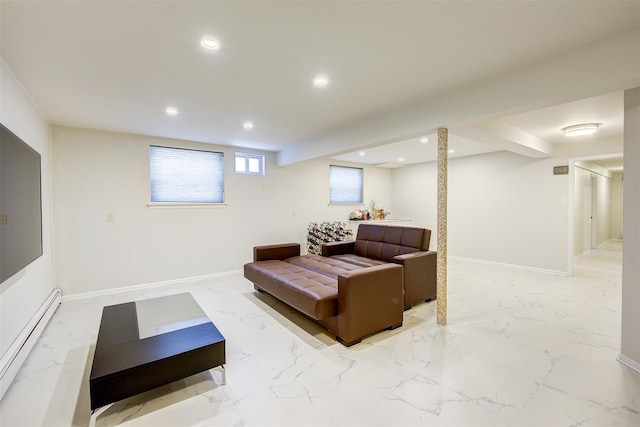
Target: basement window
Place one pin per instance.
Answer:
(252, 164)
(346, 184)
(184, 176)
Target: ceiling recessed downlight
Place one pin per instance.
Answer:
(362, 153)
(583, 129)
(401, 159)
(210, 43)
(451, 151)
(172, 111)
(321, 81)
(247, 125)
(424, 139)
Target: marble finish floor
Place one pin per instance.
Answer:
(521, 348)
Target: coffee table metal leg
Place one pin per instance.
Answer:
(223, 373)
(95, 413)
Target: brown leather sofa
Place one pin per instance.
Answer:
(356, 288)
(408, 246)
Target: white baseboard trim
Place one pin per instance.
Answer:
(16, 355)
(111, 291)
(629, 362)
(511, 266)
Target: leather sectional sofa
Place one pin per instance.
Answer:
(354, 288)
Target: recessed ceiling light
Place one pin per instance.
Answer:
(172, 111)
(451, 151)
(362, 153)
(401, 159)
(247, 125)
(210, 43)
(424, 139)
(321, 81)
(583, 129)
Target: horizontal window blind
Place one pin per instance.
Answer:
(345, 184)
(186, 176)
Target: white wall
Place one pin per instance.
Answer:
(616, 205)
(22, 294)
(96, 173)
(582, 212)
(502, 207)
(630, 351)
(603, 210)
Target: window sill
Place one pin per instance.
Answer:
(171, 205)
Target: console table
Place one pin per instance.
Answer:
(145, 344)
(355, 224)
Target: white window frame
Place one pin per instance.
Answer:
(179, 195)
(247, 158)
(334, 186)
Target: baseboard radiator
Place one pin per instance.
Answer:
(17, 354)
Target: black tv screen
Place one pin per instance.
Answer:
(20, 204)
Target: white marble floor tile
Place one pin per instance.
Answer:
(521, 348)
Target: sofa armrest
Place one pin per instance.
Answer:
(420, 276)
(280, 251)
(338, 248)
(369, 300)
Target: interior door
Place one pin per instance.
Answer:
(594, 212)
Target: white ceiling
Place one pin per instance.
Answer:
(116, 65)
(546, 123)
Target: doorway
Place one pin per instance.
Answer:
(595, 205)
(593, 226)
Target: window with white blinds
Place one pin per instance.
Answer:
(180, 175)
(345, 184)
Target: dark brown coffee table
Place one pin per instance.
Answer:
(145, 344)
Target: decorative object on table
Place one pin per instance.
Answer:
(372, 205)
(317, 234)
(359, 215)
(380, 214)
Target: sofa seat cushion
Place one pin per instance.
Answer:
(330, 267)
(359, 261)
(314, 294)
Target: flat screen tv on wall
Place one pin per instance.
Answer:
(20, 204)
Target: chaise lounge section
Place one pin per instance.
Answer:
(351, 302)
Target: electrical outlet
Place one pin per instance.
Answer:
(111, 217)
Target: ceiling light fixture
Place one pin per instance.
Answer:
(583, 129)
(247, 125)
(451, 151)
(320, 81)
(172, 111)
(424, 139)
(210, 43)
(362, 153)
(401, 159)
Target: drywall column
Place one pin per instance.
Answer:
(630, 348)
(443, 152)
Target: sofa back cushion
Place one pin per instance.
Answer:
(386, 241)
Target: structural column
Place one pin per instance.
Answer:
(443, 154)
